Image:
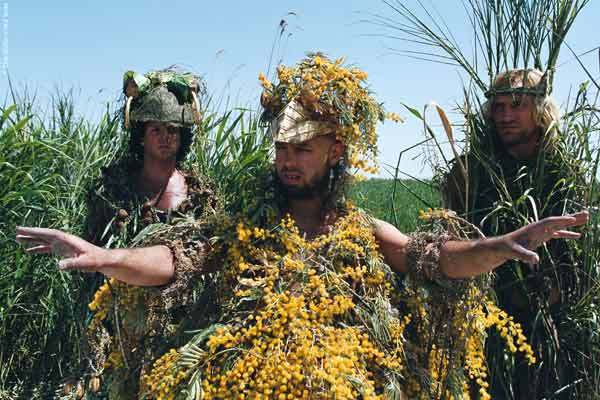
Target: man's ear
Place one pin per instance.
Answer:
(336, 152)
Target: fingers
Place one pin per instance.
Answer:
(42, 249)
(566, 221)
(558, 223)
(554, 227)
(38, 233)
(562, 234)
(582, 217)
(29, 240)
(525, 255)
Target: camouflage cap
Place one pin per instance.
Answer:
(161, 105)
(166, 96)
(295, 125)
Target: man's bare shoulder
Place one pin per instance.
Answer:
(393, 245)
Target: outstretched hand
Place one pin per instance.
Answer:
(520, 244)
(75, 252)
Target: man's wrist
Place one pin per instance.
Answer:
(496, 250)
(111, 259)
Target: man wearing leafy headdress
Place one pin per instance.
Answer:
(147, 184)
(523, 163)
(147, 188)
(522, 167)
(522, 125)
(308, 307)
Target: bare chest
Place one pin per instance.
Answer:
(170, 200)
(172, 195)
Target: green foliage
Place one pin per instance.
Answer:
(233, 149)
(44, 168)
(411, 196)
(507, 34)
(503, 195)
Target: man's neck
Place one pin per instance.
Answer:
(524, 152)
(308, 214)
(155, 175)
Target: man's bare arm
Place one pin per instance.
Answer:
(472, 258)
(149, 266)
(393, 245)
(463, 259)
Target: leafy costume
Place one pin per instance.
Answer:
(130, 325)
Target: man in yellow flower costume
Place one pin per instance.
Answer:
(309, 305)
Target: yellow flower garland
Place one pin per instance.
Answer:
(333, 93)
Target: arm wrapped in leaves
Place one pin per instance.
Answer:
(192, 257)
(423, 254)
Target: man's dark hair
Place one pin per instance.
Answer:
(136, 135)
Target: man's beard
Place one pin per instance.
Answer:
(316, 188)
(517, 139)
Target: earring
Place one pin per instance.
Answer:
(331, 179)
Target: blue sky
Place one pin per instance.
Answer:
(87, 46)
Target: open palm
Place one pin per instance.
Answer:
(75, 253)
(521, 243)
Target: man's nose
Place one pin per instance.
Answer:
(289, 159)
(165, 134)
(506, 115)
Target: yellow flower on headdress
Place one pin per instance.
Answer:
(333, 94)
(265, 83)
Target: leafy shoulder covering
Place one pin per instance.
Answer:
(116, 213)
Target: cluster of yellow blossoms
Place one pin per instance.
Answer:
(297, 324)
(335, 94)
(432, 214)
(164, 376)
(321, 319)
(102, 303)
(451, 337)
(491, 316)
(115, 296)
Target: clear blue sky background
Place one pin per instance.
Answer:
(87, 45)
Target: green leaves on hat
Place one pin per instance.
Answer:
(180, 87)
(179, 83)
(135, 84)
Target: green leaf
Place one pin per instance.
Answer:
(413, 111)
(141, 81)
(180, 87)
